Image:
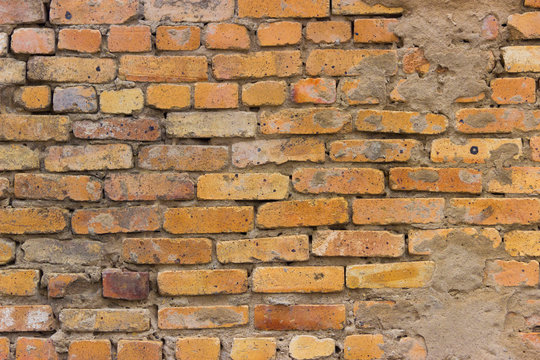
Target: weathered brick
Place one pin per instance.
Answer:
(398, 211)
(328, 32)
(18, 157)
(425, 242)
(299, 317)
(363, 90)
(79, 40)
(365, 346)
(168, 96)
(257, 65)
(215, 96)
(474, 151)
(208, 220)
(400, 122)
(350, 62)
(4, 44)
(253, 348)
(125, 285)
(198, 348)
(71, 69)
(309, 347)
(495, 211)
(88, 157)
(7, 251)
(535, 148)
(277, 151)
(118, 129)
(525, 26)
(167, 251)
(178, 38)
(202, 317)
(532, 3)
(183, 157)
(34, 127)
(18, 282)
(314, 90)
(359, 7)
(57, 187)
(126, 101)
(338, 180)
(148, 186)
(283, 8)
(296, 213)
(21, 12)
(305, 121)
(25, 318)
(115, 220)
(136, 349)
(33, 41)
(414, 60)
(521, 58)
(52, 251)
(4, 348)
(32, 220)
(507, 91)
(471, 99)
(202, 282)
(372, 150)
(76, 99)
(490, 28)
(436, 179)
(390, 275)
(212, 10)
(76, 12)
(130, 39)
(499, 120)
(281, 248)
(279, 33)
(4, 187)
(253, 186)
(531, 339)
(163, 68)
(35, 349)
(522, 243)
(90, 350)
(374, 31)
(226, 37)
(33, 98)
(515, 180)
(105, 320)
(511, 273)
(58, 285)
(298, 279)
(269, 93)
(370, 314)
(12, 71)
(357, 243)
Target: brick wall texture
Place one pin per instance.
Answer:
(269, 179)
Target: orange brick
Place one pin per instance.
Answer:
(251, 186)
(32, 220)
(168, 96)
(299, 317)
(525, 26)
(374, 31)
(305, 121)
(474, 151)
(125, 285)
(7, 251)
(83, 12)
(118, 129)
(148, 186)
(227, 37)
(22, 11)
(163, 68)
(33, 41)
(281, 248)
(178, 38)
(34, 98)
(338, 181)
(283, 8)
(198, 348)
(436, 180)
(269, 93)
(115, 220)
(35, 349)
(253, 349)
(535, 148)
(363, 347)
(514, 90)
(34, 127)
(515, 180)
(18, 282)
(279, 33)
(59, 284)
(202, 282)
(390, 275)
(71, 69)
(471, 99)
(521, 58)
(310, 347)
(328, 32)
(79, 40)
(57, 187)
(400, 122)
(216, 95)
(4, 187)
(298, 279)
(183, 157)
(208, 220)
(415, 61)
(372, 150)
(532, 3)
(314, 90)
(134, 349)
(4, 348)
(18, 157)
(88, 157)
(130, 39)
(26, 318)
(202, 317)
(522, 243)
(257, 65)
(398, 211)
(167, 251)
(474, 121)
(357, 243)
(179, 11)
(511, 273)
(90, 350)
(358, 7)
(350, 62)
(425, 242)
(105, 320)
(495, 211)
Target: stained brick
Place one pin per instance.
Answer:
(33, 98)
(67, 252)
(32, 220)
(359, 7)
(33, 41)
(88, 157)
(328, 32)
(162, 186)
(365, 346)
(512, 273)
(125, 285)
(79, 40)
(83, 12)
(76, 99)
(253, 186)
(310, 347)
(212, 10)
(475, 121)
(163, 68)
(257, 65)
(374, 31)
(279, 33)
(400, 122)
(390, 275)
(514, 90)
(414, 60)
(90, 350)
(215, 96)
(35, 349)
(126, 101)
(202, 317)
(535, 148)
(178, 38)
(118, 129)
(350, 62)
(4, 187)
(202, 282)
(71, 69)
(532, 3)
(298, 279)
(299, 317)
(22, 12)
(18, 282)
(357, 243)
(373, 150)
(525, 26)
(271, 93)
(12, 71)
(515, 180)
(314, 90)
(208, 220)
(283, 8)
(522, 243)
(436, 179)
(363, 90)
(338, 180)
(18, 157)
(105, 320)
(474, 151)
(521, 58)
(425, 242)
(7, 251)
(130, 39)
(227, 37)
(25, 318)
(253, 348)
(281, 248)
(167, 251)
(198, 348)
(183, 157)
(58, 285)
(34, 127)
(134, 349)
(115, 220)
(56, 187)
(495, 211)
(305, 121)
(398, 211)
(168, 96)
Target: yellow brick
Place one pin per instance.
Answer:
(252, 186)
(390, 275)
(168, 96)
(197, 348)
(364, 347)
(281, 248)
(208, 220)
(19, 282)
(298, 279)
(309, 347)
(522, 243)
(202, 282)
(125, 101)
(253, 349)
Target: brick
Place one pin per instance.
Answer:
(373, 150)
(515, 180)
(458, 180)
(183, 157)
(57, 187)
(328, 32)
(34, 98)
(398, 211)
(4, 44)
(12, 71)
(208, 220)
(415, 348)
(511, 273)
(299, 317)
(126, 101)
(314, 90)
(373, 314)
(277, 151)
(105, 320)
(21, 12)
(471, 99)
(202, 282)
(390, 275)
(198, 348)
(71, 69)
(425, 242)
(531, 339)
(414, 60)
(226, 37)
(35, 349)
(136, 349)
(212, 10)
(148, 186)
(129, 39)
(374, 31)
(81, 252)
(59, 284)
(18, 157)
(521, 58)
(79, 40)
(202, 317)
(525, 26)
(25, 318)
(18, 282)
(32, 220)
(7, 251)
(522, 243)
(535, 148)
(115, 220)
(350, 62)
(358, 7)
(281, 248)
(295, 213)
(253, 348)
(4, 187)
(211, 124)
(495, 211)
(363, 347)
(474, 151)
(215, 96)
(514, 91)
(253, 186)
(309, 347)
(33, 41)
(4, 348)
(400, 122)
(283, 8)
(485, 121)
(168, 96)
(298, 279)
(125, 285)
(305, 121)
(363, 91)
(257, 65)
(34, 127)
(88, 157)
(357, 243)
(264, 93)
(174, 38)
(163, 68)
(532, 3)
(90, 350)
(76, 99)
(167, 251)
(279, 33)
(118, 129)
(338, 181)
(490, 28)
(75, 12)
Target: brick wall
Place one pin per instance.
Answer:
(269, 179)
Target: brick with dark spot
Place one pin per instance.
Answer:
(125, 285)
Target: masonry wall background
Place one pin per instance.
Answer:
(269, 179)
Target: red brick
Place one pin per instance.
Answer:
(328, 32)
(298, 279)
(33, 41)
(71, 69)
(88, 157)
(279, 33)
(32, 220)
(163, 68)
(215, 96)
(79, 40)
(35, 349)
(202, 282)
(136, 349)
(398, 211)
(22, 12)
(436, 180)
(257, 65)
(299, 317)
(350, 62)
(167, 251)
(198, 348)
(125, 285)
(474, 151)
(314, 90)
(115, 220)
(202, 317)
(364, 347)
(183, 157)
(118, 129)
(208, 220)
(499, 120)
(57, 187)
(162, 186)
(374, 31)
(495, 211)
(280, 248)
(399, 122)
(179, 11)
(305, 121)
(338, 180)
(227, 37)
(130, 39)
(514, 90)
(512, 273)
(76, 12)
(372, 150)
(357, 243)
(178, 38)
(25, 318)
(90, 350)
(59, 284)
